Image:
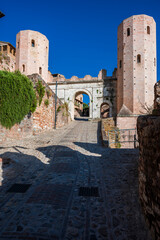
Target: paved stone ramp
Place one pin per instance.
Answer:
(57, 164)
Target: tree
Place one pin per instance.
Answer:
(85, 105)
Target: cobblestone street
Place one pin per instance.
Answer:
(73, 188)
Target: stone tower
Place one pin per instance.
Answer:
(137, 72)
(32, 53)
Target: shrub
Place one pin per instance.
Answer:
(17, 98)
(64, 108)
(49, 93)
(59, 109)
(46, 102)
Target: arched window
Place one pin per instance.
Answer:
(148, 30)
(128, 32)
(120, 64)
(23, 68)
(33, 43)
(154, 61)
(138, 58)
(40, 70)
(18, 44)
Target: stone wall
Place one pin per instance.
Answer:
(18, 131)
(42, 119)
(109, 94)
(7, 62)
(149, 170)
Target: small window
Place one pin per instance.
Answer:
(10, 50)
(154, 61)
(14, 52)
(120, 64)
(138, 58)
(5, 48)
(33, 43)
(128, 32)
(40, 70)
(148, 30)
(23, 68)
(0, 48)
(18, 44)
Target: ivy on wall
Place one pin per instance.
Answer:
(41, 91)
(17, 98)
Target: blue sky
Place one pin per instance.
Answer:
(82, 34)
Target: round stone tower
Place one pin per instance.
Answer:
(137, 71)
(32, 53)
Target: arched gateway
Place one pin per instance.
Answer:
(99, 89)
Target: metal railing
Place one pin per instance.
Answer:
(122, 136)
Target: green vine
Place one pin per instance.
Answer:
(41, 91)
(17, 98)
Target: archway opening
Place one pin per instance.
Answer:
(105, 110)
(81, 105)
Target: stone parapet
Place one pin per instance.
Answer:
(148, 128)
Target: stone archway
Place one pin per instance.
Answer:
(71, 104)
(105, 110)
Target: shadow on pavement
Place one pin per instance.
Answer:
(118, 174)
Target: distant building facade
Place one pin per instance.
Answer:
(7, 56)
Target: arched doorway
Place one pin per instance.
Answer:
(71, 102)
(78, 105)
(81, 105)
(105, 110)
(86, 104)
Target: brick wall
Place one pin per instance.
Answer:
(136, 79)
(32, 56)
(42, 119)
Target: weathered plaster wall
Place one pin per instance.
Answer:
(149, 170)
(126, 122)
